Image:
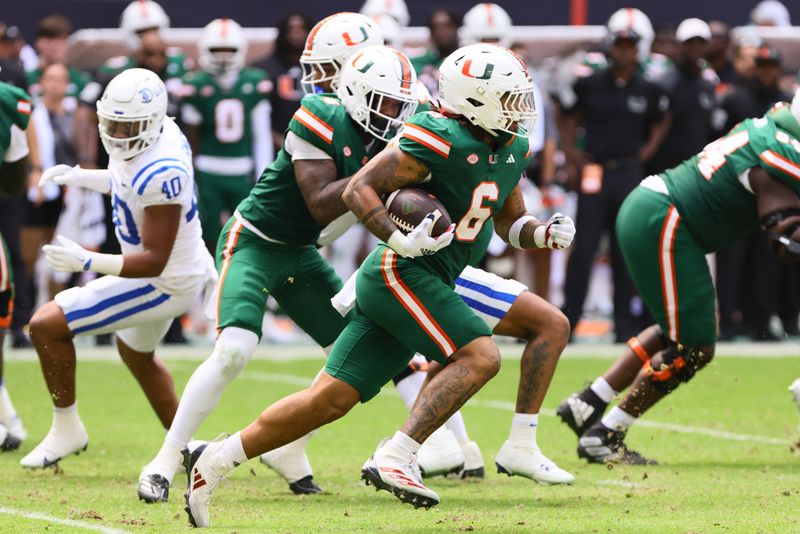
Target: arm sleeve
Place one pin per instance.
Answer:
(263, 150)
(299, 148)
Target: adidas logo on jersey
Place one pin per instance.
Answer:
(511, 159)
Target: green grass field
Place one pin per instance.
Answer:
(747, 480)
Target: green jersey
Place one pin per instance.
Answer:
(176, 65)
(15, 110)
(711, 191)
(276, 206)
(469, 177)
(77, 81)
(224, 116)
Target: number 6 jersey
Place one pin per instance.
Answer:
(162, 174)
(711, 190)
(469, 177)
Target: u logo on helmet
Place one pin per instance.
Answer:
(350, 42)
(487, 71)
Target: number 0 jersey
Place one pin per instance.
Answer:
(470, 178)
(224, 117)
(160, 175)
(711, 190)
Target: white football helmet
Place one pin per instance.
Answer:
(131, 113)
(143, 15)
(634, 22)
(330, 43)
(490, 86)
(391, 30)
(397, 9)
(375, 75)
(487, 23)
(223, 47)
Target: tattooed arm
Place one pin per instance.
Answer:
(320, 188)
(390, 170)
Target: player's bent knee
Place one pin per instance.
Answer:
(233, 349)
(484, 357)
(48, 322)
(676, 364)
(558, 325)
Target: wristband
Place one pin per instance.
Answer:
(516, 230)
(104, 263)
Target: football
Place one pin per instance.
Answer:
(407, 208)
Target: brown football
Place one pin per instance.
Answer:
(407, 208)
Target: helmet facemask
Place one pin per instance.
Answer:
(127, 137)
(376, 122)
(222, 60)
(317, 72)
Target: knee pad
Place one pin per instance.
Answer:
(675, 364)
(233, 349)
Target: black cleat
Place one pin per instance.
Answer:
(11, 443)
(153, 489)
(305, 486)
(600, 444)
(472, 473)
(581, 410)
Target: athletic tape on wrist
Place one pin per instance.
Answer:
(516, 230)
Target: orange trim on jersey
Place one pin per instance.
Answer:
(5, 320)
(781, 163)
(419, 134)
(412, 305)
(24, 107)
(638, 349)
(321, 128)
(227, 254)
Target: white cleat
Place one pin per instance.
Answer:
(529, 462)
(473, 461)
(389, 469)
(205, 468)
(291, 463)
(55, 446)
(16, 428)
(440, 454)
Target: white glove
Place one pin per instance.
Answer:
(557, 233)
(60, 175)
(419, 242)
(94, 179)
(70, 257)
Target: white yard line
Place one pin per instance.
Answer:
(510, 351)
(59, 521)
(507, 406)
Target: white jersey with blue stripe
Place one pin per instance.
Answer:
(162, 174)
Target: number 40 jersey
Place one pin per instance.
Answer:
(160, 175)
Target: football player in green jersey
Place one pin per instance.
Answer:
(15, 111)
(225, 108)
(268, 247)
(405, 297)
(748, 179)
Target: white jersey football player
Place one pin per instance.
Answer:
(163, 268)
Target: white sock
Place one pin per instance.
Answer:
(456, 425)
(603, 390)
(409, 387)
(205, 387)
(66, 420)
(167, 461)
(404, 443)
(523, 428)
(7, 411)
(617, 419)
(233, 451)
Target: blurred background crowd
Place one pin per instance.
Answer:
(615, 104)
